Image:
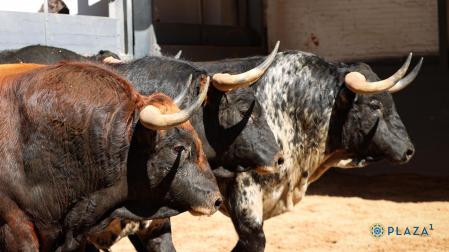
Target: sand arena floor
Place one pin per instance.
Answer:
(336, 215)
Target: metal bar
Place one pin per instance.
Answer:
(46, 6)
(130, 27)
(443, 39)
(116, 10)
(45, 20)
(201, 21)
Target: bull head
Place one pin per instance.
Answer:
(373, 129)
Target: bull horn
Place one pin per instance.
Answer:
(226, 82)
(357, 82)
(152, 118)
(178, 99)
(178, 54)
(404, 82)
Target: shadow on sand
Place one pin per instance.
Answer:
(393, 187)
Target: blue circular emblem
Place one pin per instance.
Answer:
(377, 230)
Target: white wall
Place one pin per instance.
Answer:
(354, 29)
(33, 5)
(73, 5)
(21, 25)
(18, 29)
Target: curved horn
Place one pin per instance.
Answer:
(178, 54)
(404, 82)
(178, 99)
(152, 118)
(357, 83)
(225, 82)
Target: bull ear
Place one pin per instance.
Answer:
(343, 103)
(345, 98)
(221, 172)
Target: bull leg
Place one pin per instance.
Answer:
(157, 237)
(245, 207)
(86, 213)
(17, 229)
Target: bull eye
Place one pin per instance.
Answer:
(242, 113)
(375, 105)
(179, 148)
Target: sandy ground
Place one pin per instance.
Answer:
(336, 216)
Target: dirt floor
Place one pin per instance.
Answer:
(336, 216)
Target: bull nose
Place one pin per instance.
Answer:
(273, 167)
(407, 155)
(278, 159)
(208, 206)
(218, 203)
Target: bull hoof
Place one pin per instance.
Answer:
(241, 248)
(250, 246)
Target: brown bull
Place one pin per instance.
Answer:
(77, 142)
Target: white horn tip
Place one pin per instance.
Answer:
(276, 47)
(410, 55)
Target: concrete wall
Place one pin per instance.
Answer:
(354, 29)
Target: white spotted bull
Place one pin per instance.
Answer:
(322, 115)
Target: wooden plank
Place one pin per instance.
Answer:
(130, 27)
(348, 29)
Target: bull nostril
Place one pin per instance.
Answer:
(409, 152)
(408, 155)
(280, 161)
(218, 203)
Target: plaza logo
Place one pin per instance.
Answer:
(377, 230)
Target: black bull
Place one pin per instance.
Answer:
(49, 55)
(231, 125)
(319, 122)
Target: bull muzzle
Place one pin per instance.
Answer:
(277, 161)
(212, 204)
